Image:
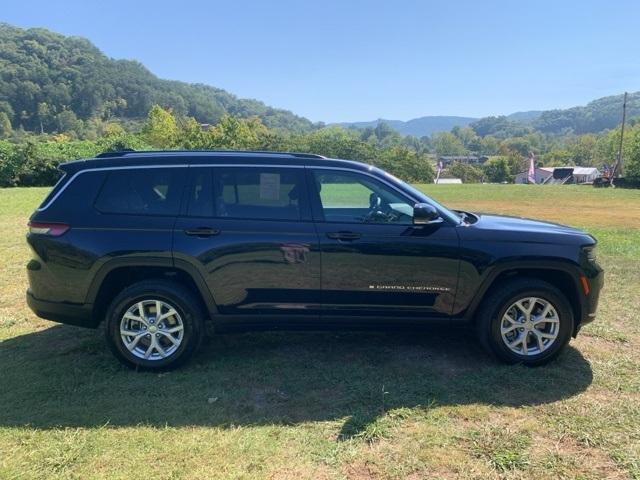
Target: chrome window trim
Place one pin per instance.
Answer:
(100, 169)
(219, 165)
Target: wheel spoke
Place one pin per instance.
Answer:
(520, 306)
(141, 310)
(539, 340)
(508, 329)
(516, 341)
(545, 311)
(149, 350)
(507, 316)
(170, 313)
(553, 319)
(173, 340)
(132, 344)
(135, 318)
(160, 350)
(547, 335)
(130, 333)
(177, 328)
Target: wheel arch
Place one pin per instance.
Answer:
(116, 275)
(563, 276)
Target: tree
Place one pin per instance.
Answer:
(519, 145)
(467, 173)
(43, 115)
(160, 128)
(5, 126)
(68, 122)
(496, 169)
(232, 132)
(632, 161)
(446, 143)
(467, 137)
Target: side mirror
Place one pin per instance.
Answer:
(425, 214)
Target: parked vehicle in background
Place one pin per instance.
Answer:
(155, 244)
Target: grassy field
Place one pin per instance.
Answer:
(333, 405)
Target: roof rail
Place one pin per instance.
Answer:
(118, 153)
(126, 152)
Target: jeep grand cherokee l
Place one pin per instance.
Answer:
(155, 244)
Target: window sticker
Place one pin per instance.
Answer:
(270, 186)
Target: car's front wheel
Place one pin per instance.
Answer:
(154, 324)
(527, 321)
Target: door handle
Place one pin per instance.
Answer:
(202, 232)
(346, 236)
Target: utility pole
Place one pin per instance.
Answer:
(618, 164)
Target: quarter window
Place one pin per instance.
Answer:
(355, 198)
(145, 191)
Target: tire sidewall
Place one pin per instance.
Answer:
(189, 316)
(561, 306)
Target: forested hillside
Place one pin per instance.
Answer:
(49, 82)
(597, 116)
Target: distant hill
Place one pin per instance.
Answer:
(43, 74)
(525, 117)
(418, 127)
(596, 116)
(601, 114)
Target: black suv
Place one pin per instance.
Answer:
(157, 243)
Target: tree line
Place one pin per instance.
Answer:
(28, 159)
(32, 160)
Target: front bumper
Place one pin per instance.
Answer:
(69, 313)
(590, 301)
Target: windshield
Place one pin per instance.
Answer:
(444, 211)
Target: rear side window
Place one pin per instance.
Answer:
(261, 193)
(148, 191)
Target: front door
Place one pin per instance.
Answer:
(248, 230)
(375, 262)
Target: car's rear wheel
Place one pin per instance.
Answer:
(154, 324)
(526, 321)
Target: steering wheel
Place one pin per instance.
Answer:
(379, 211)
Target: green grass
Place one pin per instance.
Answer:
(333, 405)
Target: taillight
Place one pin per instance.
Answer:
(50, 229)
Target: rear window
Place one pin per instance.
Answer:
(148, 191)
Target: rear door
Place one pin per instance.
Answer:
(248, 230)
(375, 262)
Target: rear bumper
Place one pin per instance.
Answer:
(69, 313)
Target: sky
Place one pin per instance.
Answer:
(336, 61)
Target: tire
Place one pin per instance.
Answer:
(177, 332)
(496, 328)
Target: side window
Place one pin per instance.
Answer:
(260, 193)
(145, 191)
(356, 198)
